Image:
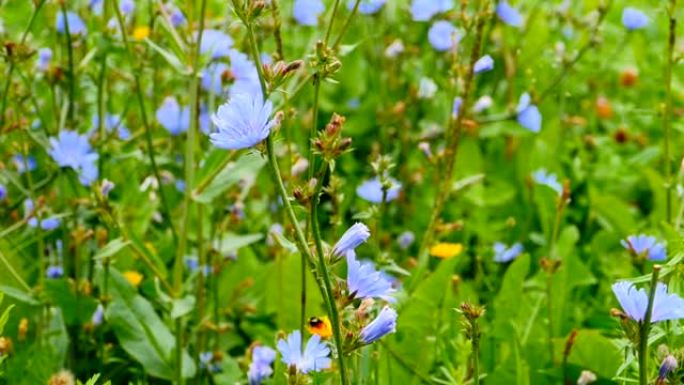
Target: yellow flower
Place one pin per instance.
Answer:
(446, 250)
(133, 277)
(320, 326)
(139, 33)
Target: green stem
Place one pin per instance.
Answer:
(314, 125)
(476, 352)
(645, 328)
(332, 21)
(275, 10)
(72, 73)
(346, 24)
(146, 124)
(667, 113)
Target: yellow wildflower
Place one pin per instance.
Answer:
(133, 277)
(446, 250)
(140, 33)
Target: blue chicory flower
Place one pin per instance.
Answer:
(371, 190)
(177, 17)
(173, 117)
(73, 21)
(363, 281)
(443, 35)
(260, 367)
(112, 122)
(242, 122)
(96, 6)
(385, 323)
(306, 12)
(72, 150)
(504, 254)
(648, 245)
(54, 272)
(126, 7)
(106, 187)
(215, 43)
(406, 239)
(483, 64)
(424, 10)
(634, 19)
(668, 366)
(206, 360)
(3, 192)
(508, 14)
(44, 58)
(528, 114)
(458, 101)
(351, 239)
(98, 315)
(313, 358)
(545, 178)
(635, 301)
(24, 163)
(367, 7)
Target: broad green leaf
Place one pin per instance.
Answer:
(19, 295)
(183, 306)
(594, 352)
(111, 248)
(246, 166)
(229, 243)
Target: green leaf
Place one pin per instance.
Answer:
(19, 295)
(233, 242)
(594, 352)
(246, 166)
(169, 57)
(285, 243)
(182, 306)
(141, 332)
(111, 249)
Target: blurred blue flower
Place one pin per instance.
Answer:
(383, 324)
(371, 190)
(46, 224)
(106, 187)
(126, 7)
(306, 12)
(545, 178)
(242, 122)
(508, 14)
(260, 367)
(647, 245)
(98, 315)
(668, 366)
(75, 24)
(206, 361)
(351, 239)
(367, 7)
(406, 239)
(96, 6)
(242, 74)
(273, 231)
(458, 101)
(443, 35)
(54, 272)
(44, 58)
(363, 281)
(22, 163)
(483, 103)
(112, 122)
(528, 114)
(315, 355)
(177, 17)
(3, 192)
(212, 77)
(504, 254)
(426, 88)
(72, 150)
(173, 117)
(635, 301)
(483, 64)
(424, 10)
(634, 19)
(180, 185)
(215, 43)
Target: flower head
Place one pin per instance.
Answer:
(113, 123)
(647, 245)
(133, 277)
(406, 239)
(504, 254)
(363, 281)
(73, 22)
(458, 101)
(215, 43)
(54, 271)
(446, 250)
(44, 58)
(483, 64)
(208, 361)
(635, 302)
(242, 122)
(424, 10)
(351, 239)
(24, 163)
(508, 14)
(126, 7)
(385, 323)
(306, 12)
(46, 224)
(545, 178)
(634, 19)
(372, 190)
(173, 117)
(586, 378)
(483, 103)
(426, 88)
(313, 358)
(528, 114)
(443, 35)
(3, 192)
(72, 150)
(668, 366)
(177, 17)
(260, 367)
(367, 7)
(98, 316)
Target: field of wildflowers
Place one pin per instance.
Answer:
(382, 192)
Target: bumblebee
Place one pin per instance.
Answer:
(320, 326)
